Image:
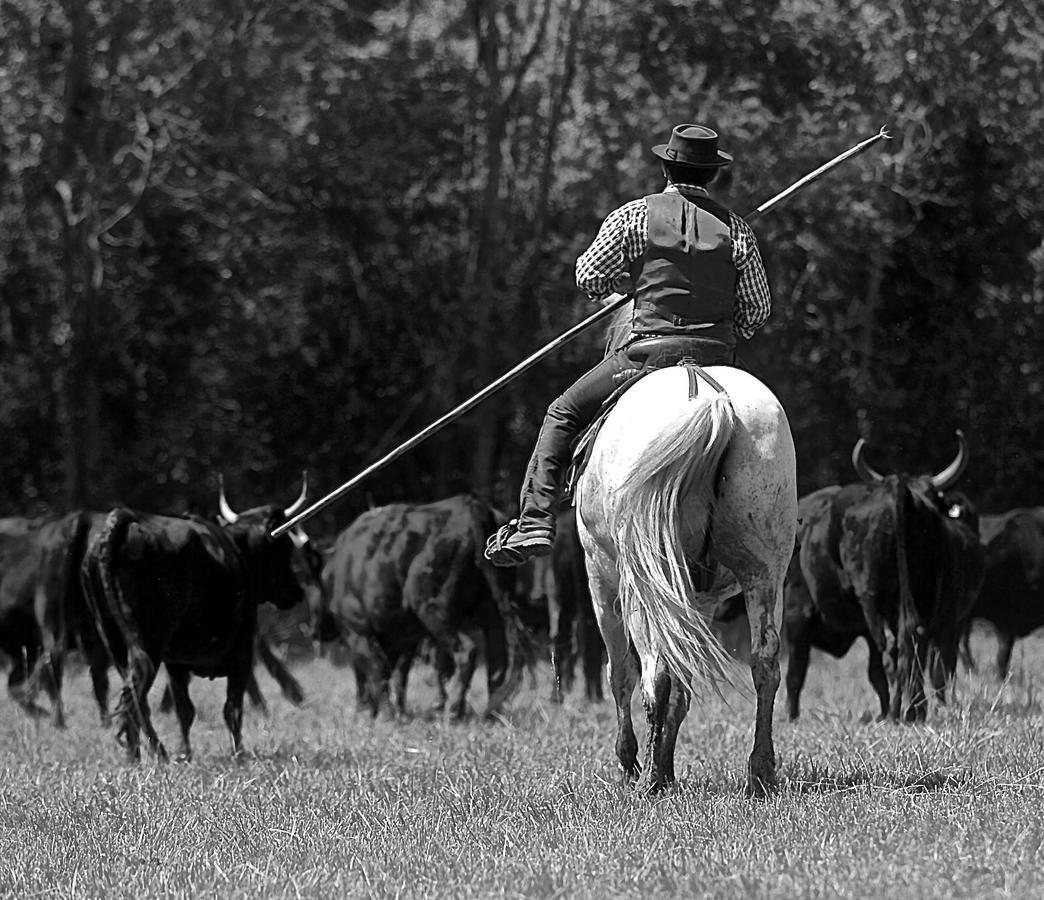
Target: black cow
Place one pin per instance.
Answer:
(185, 592)
(1012, 595)
(895, 560)
(308, 565)
(43, 613)
(402, 573)
(19, 633)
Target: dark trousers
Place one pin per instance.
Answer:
(577, 407)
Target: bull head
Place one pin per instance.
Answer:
(941, 481)
(230, 516)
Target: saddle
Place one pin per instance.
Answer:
(585, 442)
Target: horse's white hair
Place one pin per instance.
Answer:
(653, 528)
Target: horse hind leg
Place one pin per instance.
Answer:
(623, 673)
(762, 601)
(666, 705)
(761, 579)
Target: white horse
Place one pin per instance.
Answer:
(676, 488)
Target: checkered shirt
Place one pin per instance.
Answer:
(624, 236)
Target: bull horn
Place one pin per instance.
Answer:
(947, 478)
(300, 501)
(862, 468)
(227, 513)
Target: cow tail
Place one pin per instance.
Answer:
(671, 483)
(908, 615)
(101, 591)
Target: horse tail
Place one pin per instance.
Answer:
(666, 505)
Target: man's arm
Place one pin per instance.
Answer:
(753, 296)
(601, 270)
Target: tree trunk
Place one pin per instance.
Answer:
(81, 266)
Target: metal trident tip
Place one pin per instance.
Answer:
(883, 133)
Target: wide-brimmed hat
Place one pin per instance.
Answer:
(693, 145)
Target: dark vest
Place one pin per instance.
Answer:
(685, 283)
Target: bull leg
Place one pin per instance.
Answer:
(937, 674)
(183, 708)
(876, 674)
(372, 673)
(800, 643)
(99, 670)
(49, 671)
(443, 662)
(400, 678)
(1005, 645)
(19, 684)
(462, 649)
(563, 652)
(591, 650)
(233, 709)
(361, 686)
(359, 655)
(253, 691)
(465, 658)
(762, 601)
(54, 662)
(499, 685)
(289, 686)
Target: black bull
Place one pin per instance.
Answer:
(1012, 595)
(402, 574)
(43, 613)
(185, 592)
(895, 560)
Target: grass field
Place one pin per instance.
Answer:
(327, 803)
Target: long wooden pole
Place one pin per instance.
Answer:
(613, 303)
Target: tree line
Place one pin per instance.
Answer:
(245, 239)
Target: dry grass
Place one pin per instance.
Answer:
(328, 803)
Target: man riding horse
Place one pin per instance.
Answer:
(698, 281)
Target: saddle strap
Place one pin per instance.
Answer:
(693, 369)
